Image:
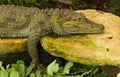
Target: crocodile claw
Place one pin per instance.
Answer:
(38, 64)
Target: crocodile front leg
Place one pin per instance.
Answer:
(33, 40)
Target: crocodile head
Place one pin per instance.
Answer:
(70, 22)
(76, 23)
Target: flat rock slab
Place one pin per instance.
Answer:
(12, 45)
(90, 49)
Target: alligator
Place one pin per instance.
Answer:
(34, 23)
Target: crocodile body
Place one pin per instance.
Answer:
(33, 23)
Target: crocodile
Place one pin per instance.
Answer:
(34, 23)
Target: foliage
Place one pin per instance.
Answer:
(111, 6)
(18, 70)
(37, 3)
(54, 69)
(114, 6)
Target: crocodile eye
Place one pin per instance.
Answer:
(82, 20)
(69, 17)
(74, 19)
(78, 19)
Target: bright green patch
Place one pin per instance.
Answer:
(54, 69)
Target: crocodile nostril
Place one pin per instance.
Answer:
(101, 27)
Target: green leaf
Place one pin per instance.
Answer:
(1, 67)
(14, 74)
(52, 68)
(20, 62)
(86, 73)
(38, 73)
(32, 75)
(20, 67)
(29, 69)
(3, 73)
(8, 66)
(47, 76)
(9, 2)
(13, 66)
(67, 67)
(94, 71)
(0, 64)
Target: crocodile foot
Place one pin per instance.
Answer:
(38, 64)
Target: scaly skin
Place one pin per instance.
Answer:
(33, 23)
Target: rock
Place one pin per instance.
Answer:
(89, 49)
(12, 45)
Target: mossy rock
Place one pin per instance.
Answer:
(89, 49)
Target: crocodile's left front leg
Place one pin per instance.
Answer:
(33, 40)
